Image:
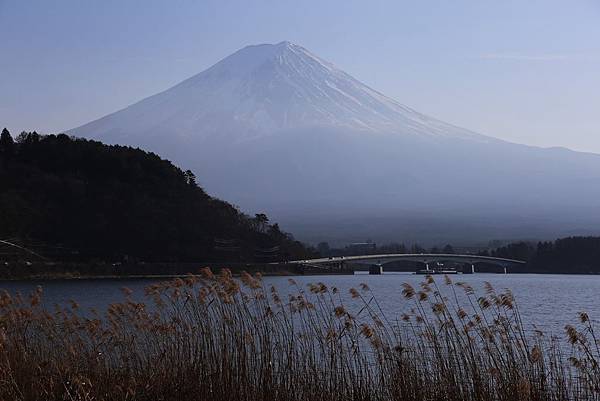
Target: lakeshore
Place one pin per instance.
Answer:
(16, 271)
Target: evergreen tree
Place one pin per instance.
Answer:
(7, 145)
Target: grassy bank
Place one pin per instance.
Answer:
(221, 338)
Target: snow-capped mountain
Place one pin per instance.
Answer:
(275, 127)
(264, 89)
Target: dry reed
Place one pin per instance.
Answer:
(218, 338)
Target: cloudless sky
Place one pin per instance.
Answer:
(527, 71)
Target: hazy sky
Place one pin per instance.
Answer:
(526, 71)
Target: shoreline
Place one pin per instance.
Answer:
(238, 274)
(166, 276)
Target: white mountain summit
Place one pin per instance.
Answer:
(263, 89)
(276, 128)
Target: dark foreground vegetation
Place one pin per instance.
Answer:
(217, 338)
(68, 199)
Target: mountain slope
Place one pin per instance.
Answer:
(276, 127)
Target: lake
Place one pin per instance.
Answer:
(547, 301)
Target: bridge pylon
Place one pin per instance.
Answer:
(376, 269)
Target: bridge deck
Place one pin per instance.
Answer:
(418, 257)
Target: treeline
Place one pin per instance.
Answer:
(77, 199)
(368, 248)
(564, 255)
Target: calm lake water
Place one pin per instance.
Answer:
(547, 301)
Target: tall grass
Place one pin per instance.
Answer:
(220, 338)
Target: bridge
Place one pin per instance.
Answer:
(376, 262)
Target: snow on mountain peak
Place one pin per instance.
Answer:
(268, 88)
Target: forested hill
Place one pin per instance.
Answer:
(76, 198)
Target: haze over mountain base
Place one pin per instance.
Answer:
(274, 128)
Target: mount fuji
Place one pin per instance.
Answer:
(275, 128)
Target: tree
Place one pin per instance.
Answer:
(7, 145)
(276, 234)
(28, 138)
(190, 178)
(261, 221)
(518, 250)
